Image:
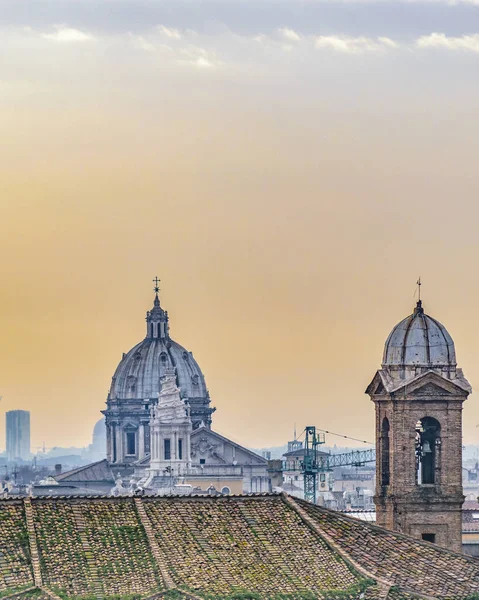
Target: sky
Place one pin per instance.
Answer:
(287, 168)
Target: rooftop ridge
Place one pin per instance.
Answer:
(21, 497)
(291, 502)
(397, 534)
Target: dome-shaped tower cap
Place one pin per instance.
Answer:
(419, 340)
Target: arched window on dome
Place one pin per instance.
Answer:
(152, 330)
(428, 445)
(385, 453)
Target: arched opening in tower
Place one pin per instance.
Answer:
(428, 442)
(385, 454)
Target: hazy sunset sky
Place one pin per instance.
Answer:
(287, 168)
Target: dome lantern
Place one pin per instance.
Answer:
(157, 326)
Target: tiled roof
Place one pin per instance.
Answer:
(268, 546)
(470, 520)
(97, 472)
(412, 565)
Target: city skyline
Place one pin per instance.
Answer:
(84, 438)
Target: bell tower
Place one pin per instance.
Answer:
(418, 395)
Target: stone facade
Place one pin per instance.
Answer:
(418, 395)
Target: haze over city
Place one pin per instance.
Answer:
(288, 170)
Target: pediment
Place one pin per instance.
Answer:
(431, 384)
(430, 389)
(215, 448)
(379, 384)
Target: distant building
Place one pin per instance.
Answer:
(158, 423)
(293, 476)
(18, 435)
(97, 449)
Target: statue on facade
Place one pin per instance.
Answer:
(170, 407)
(118, 489)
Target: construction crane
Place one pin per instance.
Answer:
(315, 462)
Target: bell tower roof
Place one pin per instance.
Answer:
(419, 340)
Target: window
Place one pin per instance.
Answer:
(152, 329)
(428, 444)
(385, 454)
(167, 449)
(202, 461)
(429, 537)
(180, 449)
(130, 442)
(322, 477)
(226, 491)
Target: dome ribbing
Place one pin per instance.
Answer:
(419, 340)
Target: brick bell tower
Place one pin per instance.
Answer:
(418, 394)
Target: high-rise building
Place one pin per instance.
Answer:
(18, 435)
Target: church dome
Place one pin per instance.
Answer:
(419, 340)
(138, 374)
(99, 431)
(137, 377)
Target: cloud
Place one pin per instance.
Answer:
(354, 45)
(170, 32)
(202, 63)
(199, 58)
(289, 34)
(388, 42)
(469, 43)
(66, 34)
(140, 42)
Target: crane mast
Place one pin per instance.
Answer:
(315, 462)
